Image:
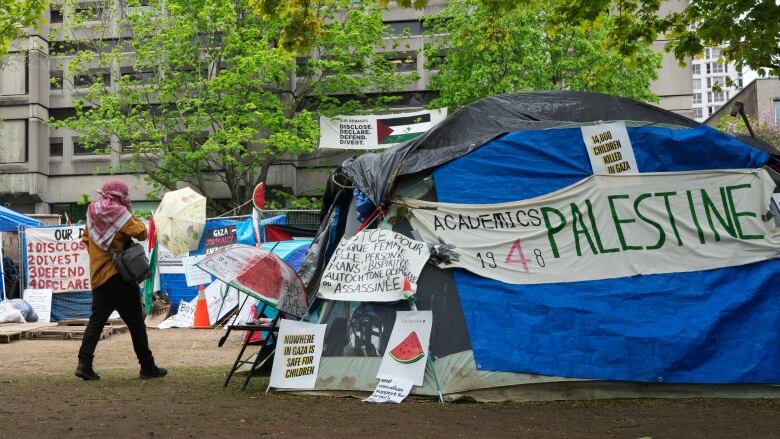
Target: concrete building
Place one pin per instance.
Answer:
(45, 170)
(714, 82)
(673, 86)
(760, 98)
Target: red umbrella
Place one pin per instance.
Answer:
(260, 274)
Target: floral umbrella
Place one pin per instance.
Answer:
(180, 219)
(260, 274)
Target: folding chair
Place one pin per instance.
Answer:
(266, 349)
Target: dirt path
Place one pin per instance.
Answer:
(40, 398)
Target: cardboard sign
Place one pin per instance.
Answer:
(40, 301)
(390, 390)
(193, 274)
(374, 266)
(372, 132)
(407, 349)
(57, 259)
(609, 149)
(297, 356)
(611, 226)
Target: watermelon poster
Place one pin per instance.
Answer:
(407, 349)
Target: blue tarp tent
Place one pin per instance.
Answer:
(11, 221)
(644, 335)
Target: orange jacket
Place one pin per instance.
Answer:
(101, 265)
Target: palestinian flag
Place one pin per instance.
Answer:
(400, 129)
(153, 283)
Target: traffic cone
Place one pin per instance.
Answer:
(201, 311)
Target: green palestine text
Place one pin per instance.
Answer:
(713, 217)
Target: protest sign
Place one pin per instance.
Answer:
(609, 149)
(192, 273)
(219, 237)
(221, 300)
(372, 132)
(390, 390)
(374, 266)
(297, 356)
(611, 226)
(40, 301)
(407, 351)
(168, 263)
(57, 259)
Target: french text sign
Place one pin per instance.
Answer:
(374, 266)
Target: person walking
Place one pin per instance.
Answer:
(110, 227)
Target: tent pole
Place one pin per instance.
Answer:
(2, 267)
(413, 307)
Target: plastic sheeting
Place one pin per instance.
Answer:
(11, 221)
(481, 121)
(711, 326)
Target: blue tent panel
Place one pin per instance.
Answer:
(11, 221)
(715, 326)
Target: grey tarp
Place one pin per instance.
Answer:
(481, 121)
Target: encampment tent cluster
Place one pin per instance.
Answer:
(651, 284)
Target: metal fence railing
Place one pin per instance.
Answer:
(305, 219)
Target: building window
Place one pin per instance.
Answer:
(776, 104)
(697, 98)
(710, 110)
(81, 149)
(717, 81)
(404, 61)
(697, 113)
(135, 76)
(718, 67)
(398, 28)
(94, 76)
(55, 81)
(697, 69)
(56, 16)
(55, 146)
(709, 67)
(707, 53)
(697, 84)
(717, 96)
(715, 52)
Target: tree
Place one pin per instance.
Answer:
(15, 15)
(751, 28)
(208, 97)
(481, 52)
(763, 126)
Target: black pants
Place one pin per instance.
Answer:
(116, 294)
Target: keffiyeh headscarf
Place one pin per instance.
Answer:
(108, 215)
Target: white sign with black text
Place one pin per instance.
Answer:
(390, 390)
(297, 356)
(40, 301)
(609, 149)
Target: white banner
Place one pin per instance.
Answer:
(375, 265)
(609, 149)
(297, 355)
(57, 259)
(375, 132)
(407, 349)
(612, 226)
(40, 301)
